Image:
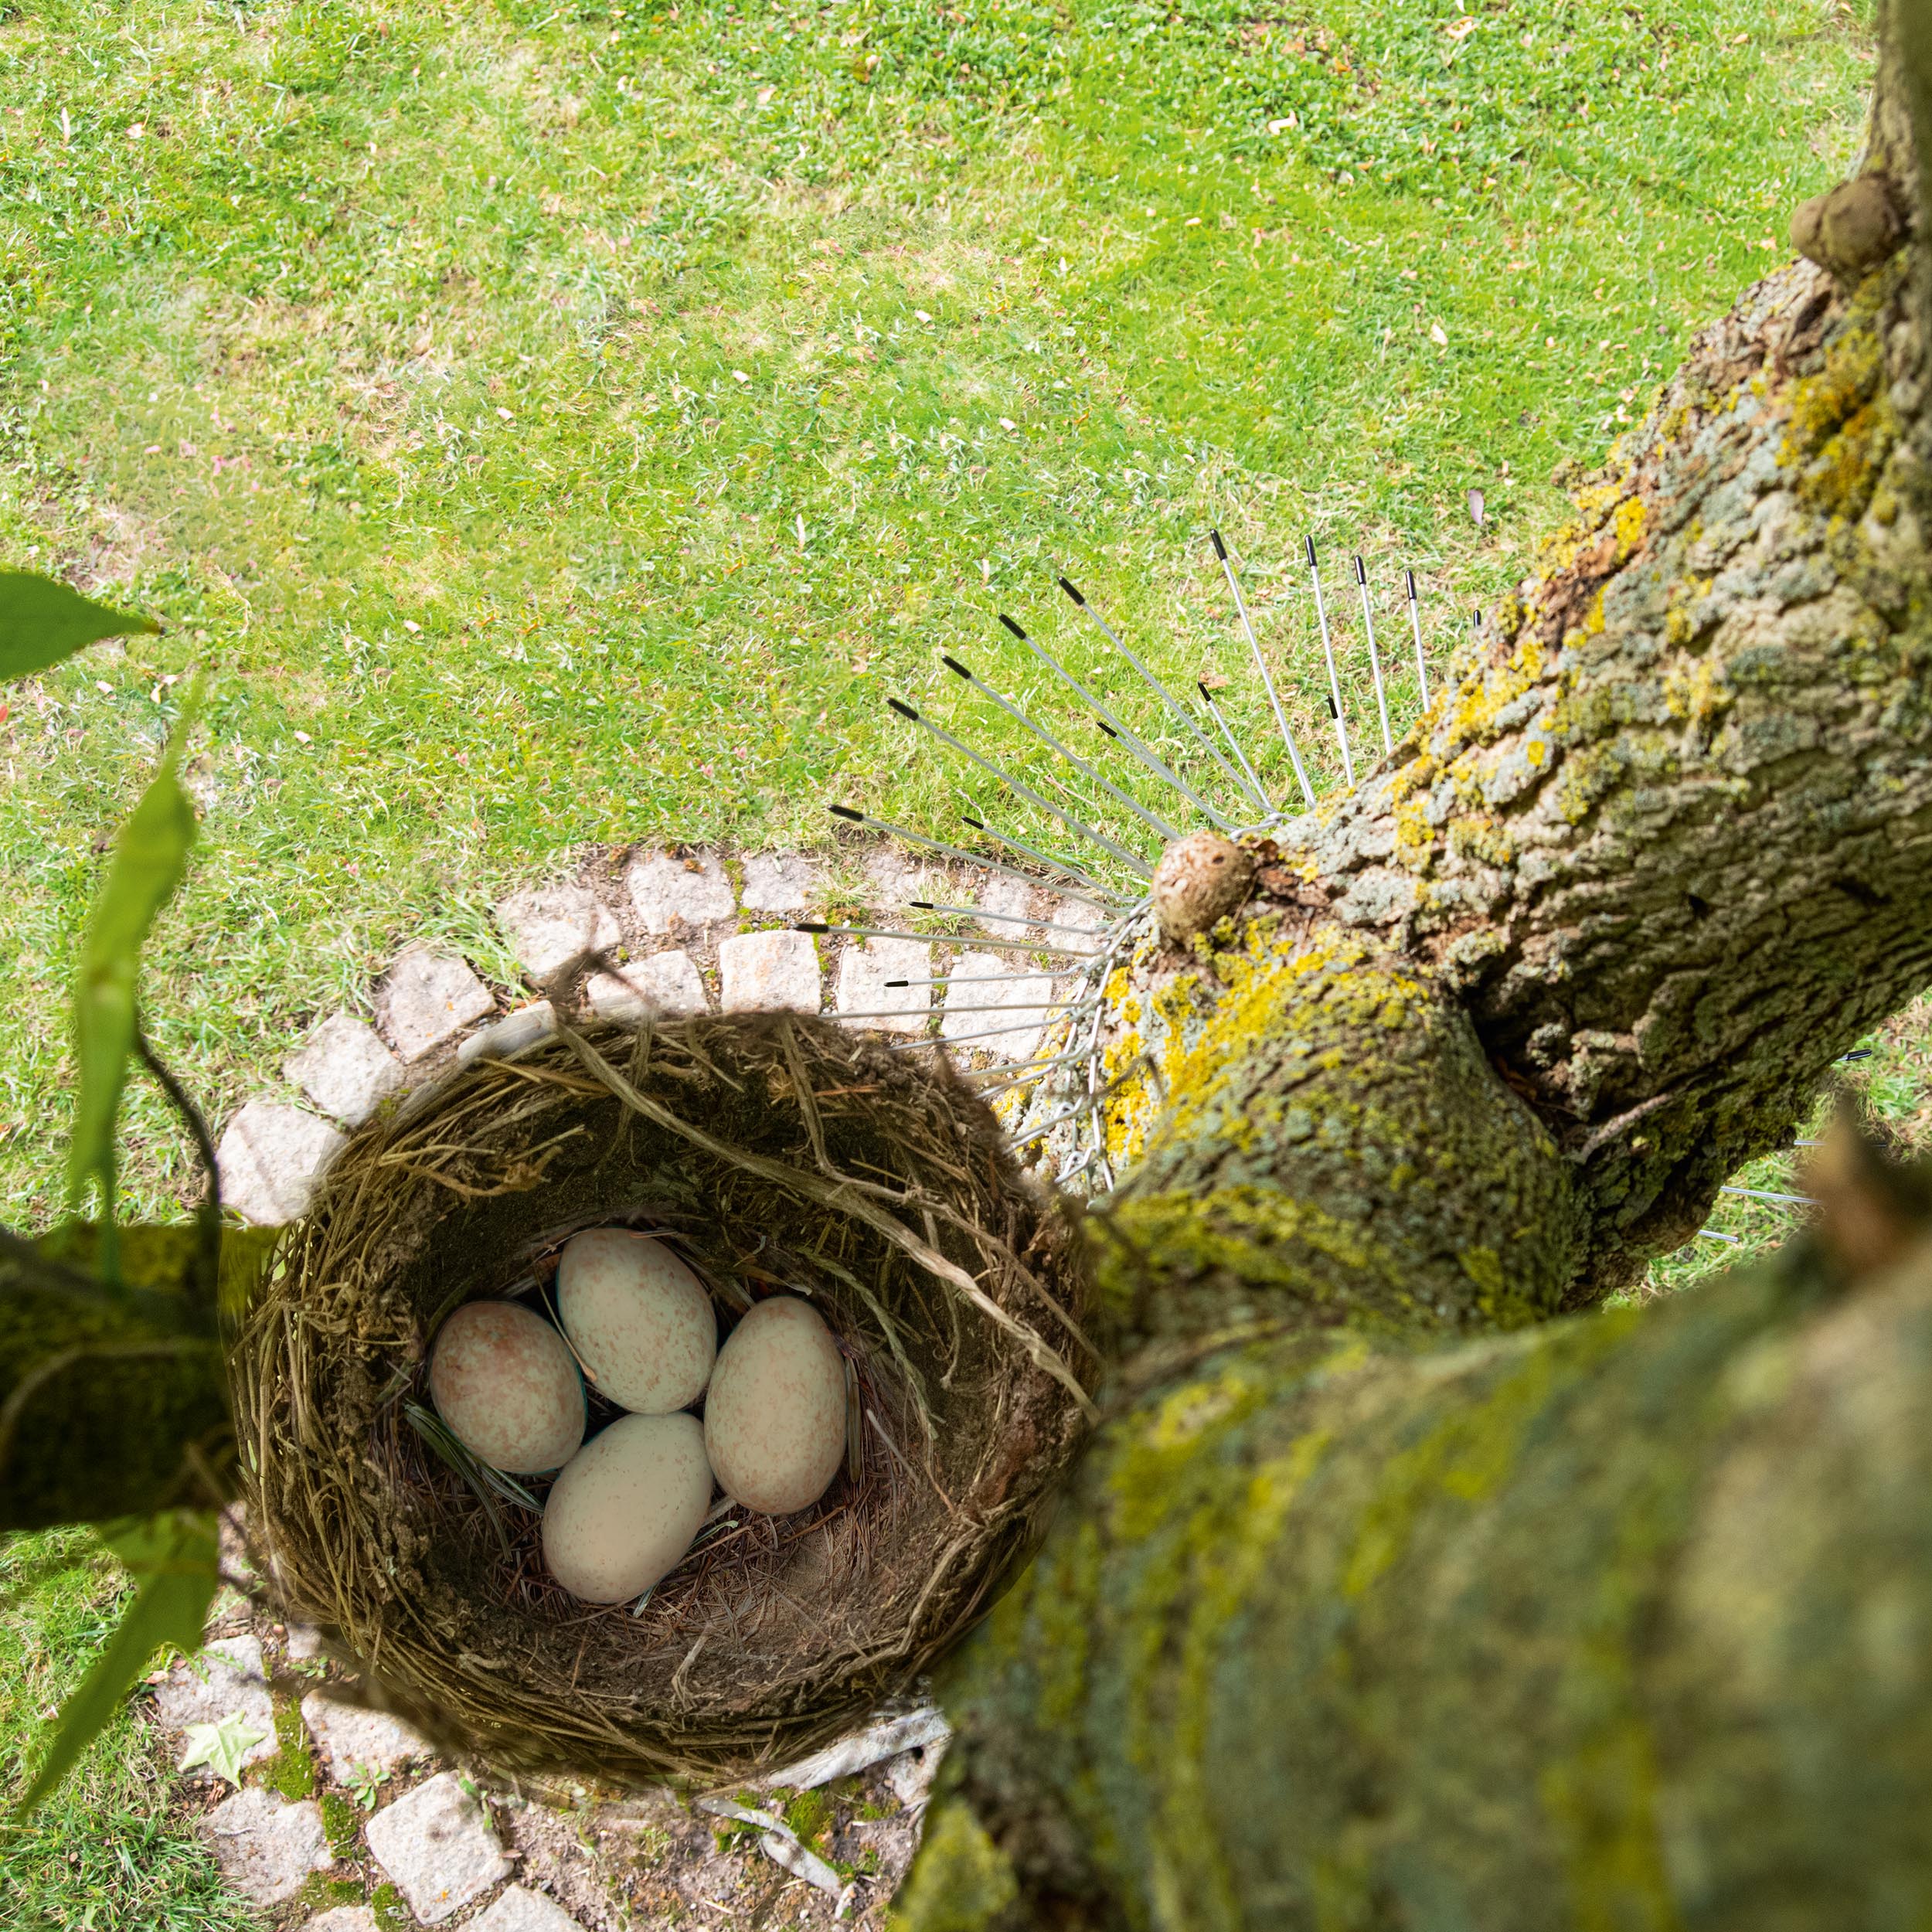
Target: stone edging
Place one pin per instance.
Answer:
(660, 929)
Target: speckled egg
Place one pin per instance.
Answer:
(626, 1507)
(774, 1421)
(639, 1319)
(502, 1379)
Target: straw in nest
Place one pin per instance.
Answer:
(778, 1153)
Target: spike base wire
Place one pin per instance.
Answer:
(1055, 1103)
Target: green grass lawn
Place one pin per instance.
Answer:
(103, 1854)
(556, 426)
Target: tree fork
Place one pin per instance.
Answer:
(1618, 1620)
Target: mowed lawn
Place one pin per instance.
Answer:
(561, 426)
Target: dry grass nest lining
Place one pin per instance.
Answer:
(779, 1153)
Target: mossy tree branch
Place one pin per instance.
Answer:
(1617, 1622)
(1614, 1621)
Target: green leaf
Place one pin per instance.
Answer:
(150, 857)
(221, 1746)
(42, 621)
(175, 1558)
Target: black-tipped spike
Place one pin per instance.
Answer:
(1073, 594)
(1012, 627)
(892, 984)
(1107, 728)
(1207, 696)
(1332, 712)
(812, 926)
(847, 813)
(1309, 542)
(904, 709)
(1411, 575)
(1475, 618)
(978, 825)
(1361, 575)
(1220, 549)
(924, 905)
(957, 668)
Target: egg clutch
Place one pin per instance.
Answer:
(637, 1324)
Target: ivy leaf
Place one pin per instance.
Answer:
(42, 621)
(150, 857)
(175, 1558)
(222, 1746)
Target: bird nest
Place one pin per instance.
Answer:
(776, 1153)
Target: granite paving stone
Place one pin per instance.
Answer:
(348, 1735)
(427, 999)
(346, 1069)
(342, 1918)
(981, 997)
(304, 1643)
(864, 968)
(436, 1844)
(670, 895)
(271, 1158)
(223, 1676)
(554, 929)
(266, 1846)
(510, 1035)
(519, 1910)
(778, 882)
(1007, 906)
(666, 985)
(774, 971)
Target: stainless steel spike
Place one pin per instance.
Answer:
(1415, 623)
(978, 979)
(972, 858)
(1021, 1075)
(1374, 662)
(1158, 826)
(1327, 651)
(988, 1033)
(1010, 918)
(1068, 866)
(1253, 785)
(1167, 697)
(1133, 860)
(1261, 665)
(968, 941)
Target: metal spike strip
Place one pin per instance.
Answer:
(1253, 785)
(1159, 827)
(1053, 859)
(1010, 918)
(972, 858)
(968, 941)
(1161, 692)
(1141, 750)
(1132, 860)
(971, 979)
(1327, 651)
(1261, 665)
(1415, 623)
(1374, 662)
(1044, 1018)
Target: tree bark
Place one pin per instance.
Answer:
(113, 1404)
(1359, 1616)
(1625, 1621)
